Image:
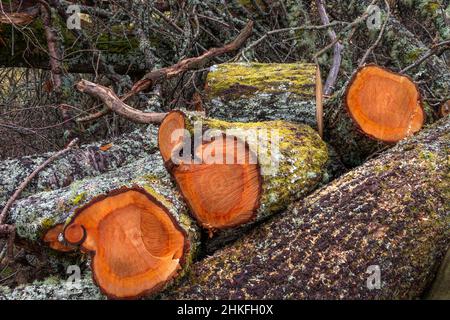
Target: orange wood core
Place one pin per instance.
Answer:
(385, 105)
(223, 190)
(51, 238)
(74, 234)
(135, 243)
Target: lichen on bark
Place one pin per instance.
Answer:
(262, 91)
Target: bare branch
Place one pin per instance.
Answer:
(115, 104)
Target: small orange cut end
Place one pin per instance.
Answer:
(169, 134)
(385, 105)
(51, 238)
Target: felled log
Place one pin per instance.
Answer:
(131, 221)
(87, 161)
(388, 215)
(378, 106)
(262, 91)
(377, 109)
(239, 173)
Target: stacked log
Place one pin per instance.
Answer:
(374, 219)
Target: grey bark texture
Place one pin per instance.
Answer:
(86, 161)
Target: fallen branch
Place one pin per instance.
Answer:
(114, 103)
(158, 76)
(337, 54)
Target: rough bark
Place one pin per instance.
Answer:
(54, 288)
(34, 215)
(378, 214)
(260, 91)
(87, 161)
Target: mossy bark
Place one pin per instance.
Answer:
(292, 158)
(37, 213)
(262, 91)
(391, 213)
(86, 161)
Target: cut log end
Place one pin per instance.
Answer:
(136, 245)
(222, 189)
(384, 105)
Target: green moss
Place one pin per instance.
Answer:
(79, 198)
(47, 223)
(262, 77)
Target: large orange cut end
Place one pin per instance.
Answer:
(137, 246)
(223, 189)
(385, 105)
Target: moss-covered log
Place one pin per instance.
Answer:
(86, 161)
(262, 91)
(37, 213)
(389, 215)
(291, 161)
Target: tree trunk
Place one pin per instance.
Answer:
(87, 161)
(110, 200)
(332, 244)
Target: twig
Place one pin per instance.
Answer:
(24, 184)
(337, 54)
(115, 104)
(380, 35)
(10, 229)
(291, 29)
(445, 45)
